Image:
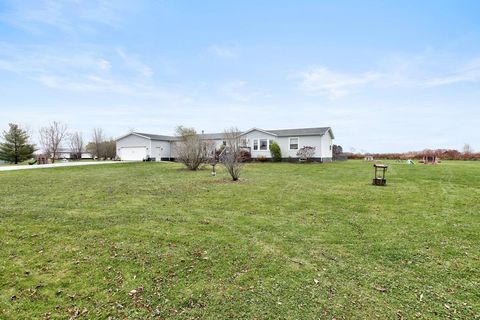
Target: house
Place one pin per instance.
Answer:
(136, 146)
(66, 153)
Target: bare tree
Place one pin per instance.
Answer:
(191, 148)
(110, 149)
(467, 149)
(51, 138)
(97, 139)
(231, 157)
(76, 144)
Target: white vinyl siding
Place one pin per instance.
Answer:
(293, 143)
(261, 144)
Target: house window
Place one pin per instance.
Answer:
(293, 143)
(263, 144)
(255, 144)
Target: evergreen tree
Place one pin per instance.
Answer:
(275, 152)
(16, 148)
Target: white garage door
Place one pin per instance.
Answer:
(133, 153)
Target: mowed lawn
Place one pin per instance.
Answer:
(289, 241)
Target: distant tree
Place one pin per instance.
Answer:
(109, 149)
(306, 153)
(90, 148)
(191, 149)
(467, 149)
(76, 144)
(102, 149)
(51, 138)
(275, 152)
(97, 147)
(16, 148)
(336, 149)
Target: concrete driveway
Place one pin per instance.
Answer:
(54, 165)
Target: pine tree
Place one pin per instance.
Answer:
(16, 148)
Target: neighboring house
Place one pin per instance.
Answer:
(136, 146)
(66, 153)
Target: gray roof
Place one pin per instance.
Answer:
(300, 132)
(209, 136)
(213, 136)
(218, 136)
(155, 136)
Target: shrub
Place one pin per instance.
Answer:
(275, 152)
(245, 155)
(306, 153)
(191, 149)
(231, 157)
(262, 158)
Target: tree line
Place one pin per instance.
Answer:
(18, 147)
(445, 154)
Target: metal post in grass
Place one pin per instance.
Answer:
(379, 179)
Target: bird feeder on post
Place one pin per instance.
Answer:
(379, 179)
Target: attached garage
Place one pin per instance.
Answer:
(133, 153)
(139, 146)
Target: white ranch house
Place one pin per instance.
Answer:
(136, 146)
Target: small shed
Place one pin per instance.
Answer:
(368, 158)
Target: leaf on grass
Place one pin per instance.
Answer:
(135, 291)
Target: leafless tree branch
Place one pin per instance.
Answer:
(231, 156)
(51, 138)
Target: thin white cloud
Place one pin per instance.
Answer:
(224, 51)
(87, 71)
(467, 73)
(412, 74)
(38, 59)
(134, 63)
(65, 15)
(239, 90)
(323, 81)
(104, 64)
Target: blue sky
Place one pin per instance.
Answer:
(385, 75)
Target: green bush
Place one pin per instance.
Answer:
(275, 152)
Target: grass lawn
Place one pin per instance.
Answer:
(12, 164)
(289, 241)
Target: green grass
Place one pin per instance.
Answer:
(12, 164)
(289, 241)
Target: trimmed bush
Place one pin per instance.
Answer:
(245, 155)
(275, 152)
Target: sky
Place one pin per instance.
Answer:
(387, 76)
